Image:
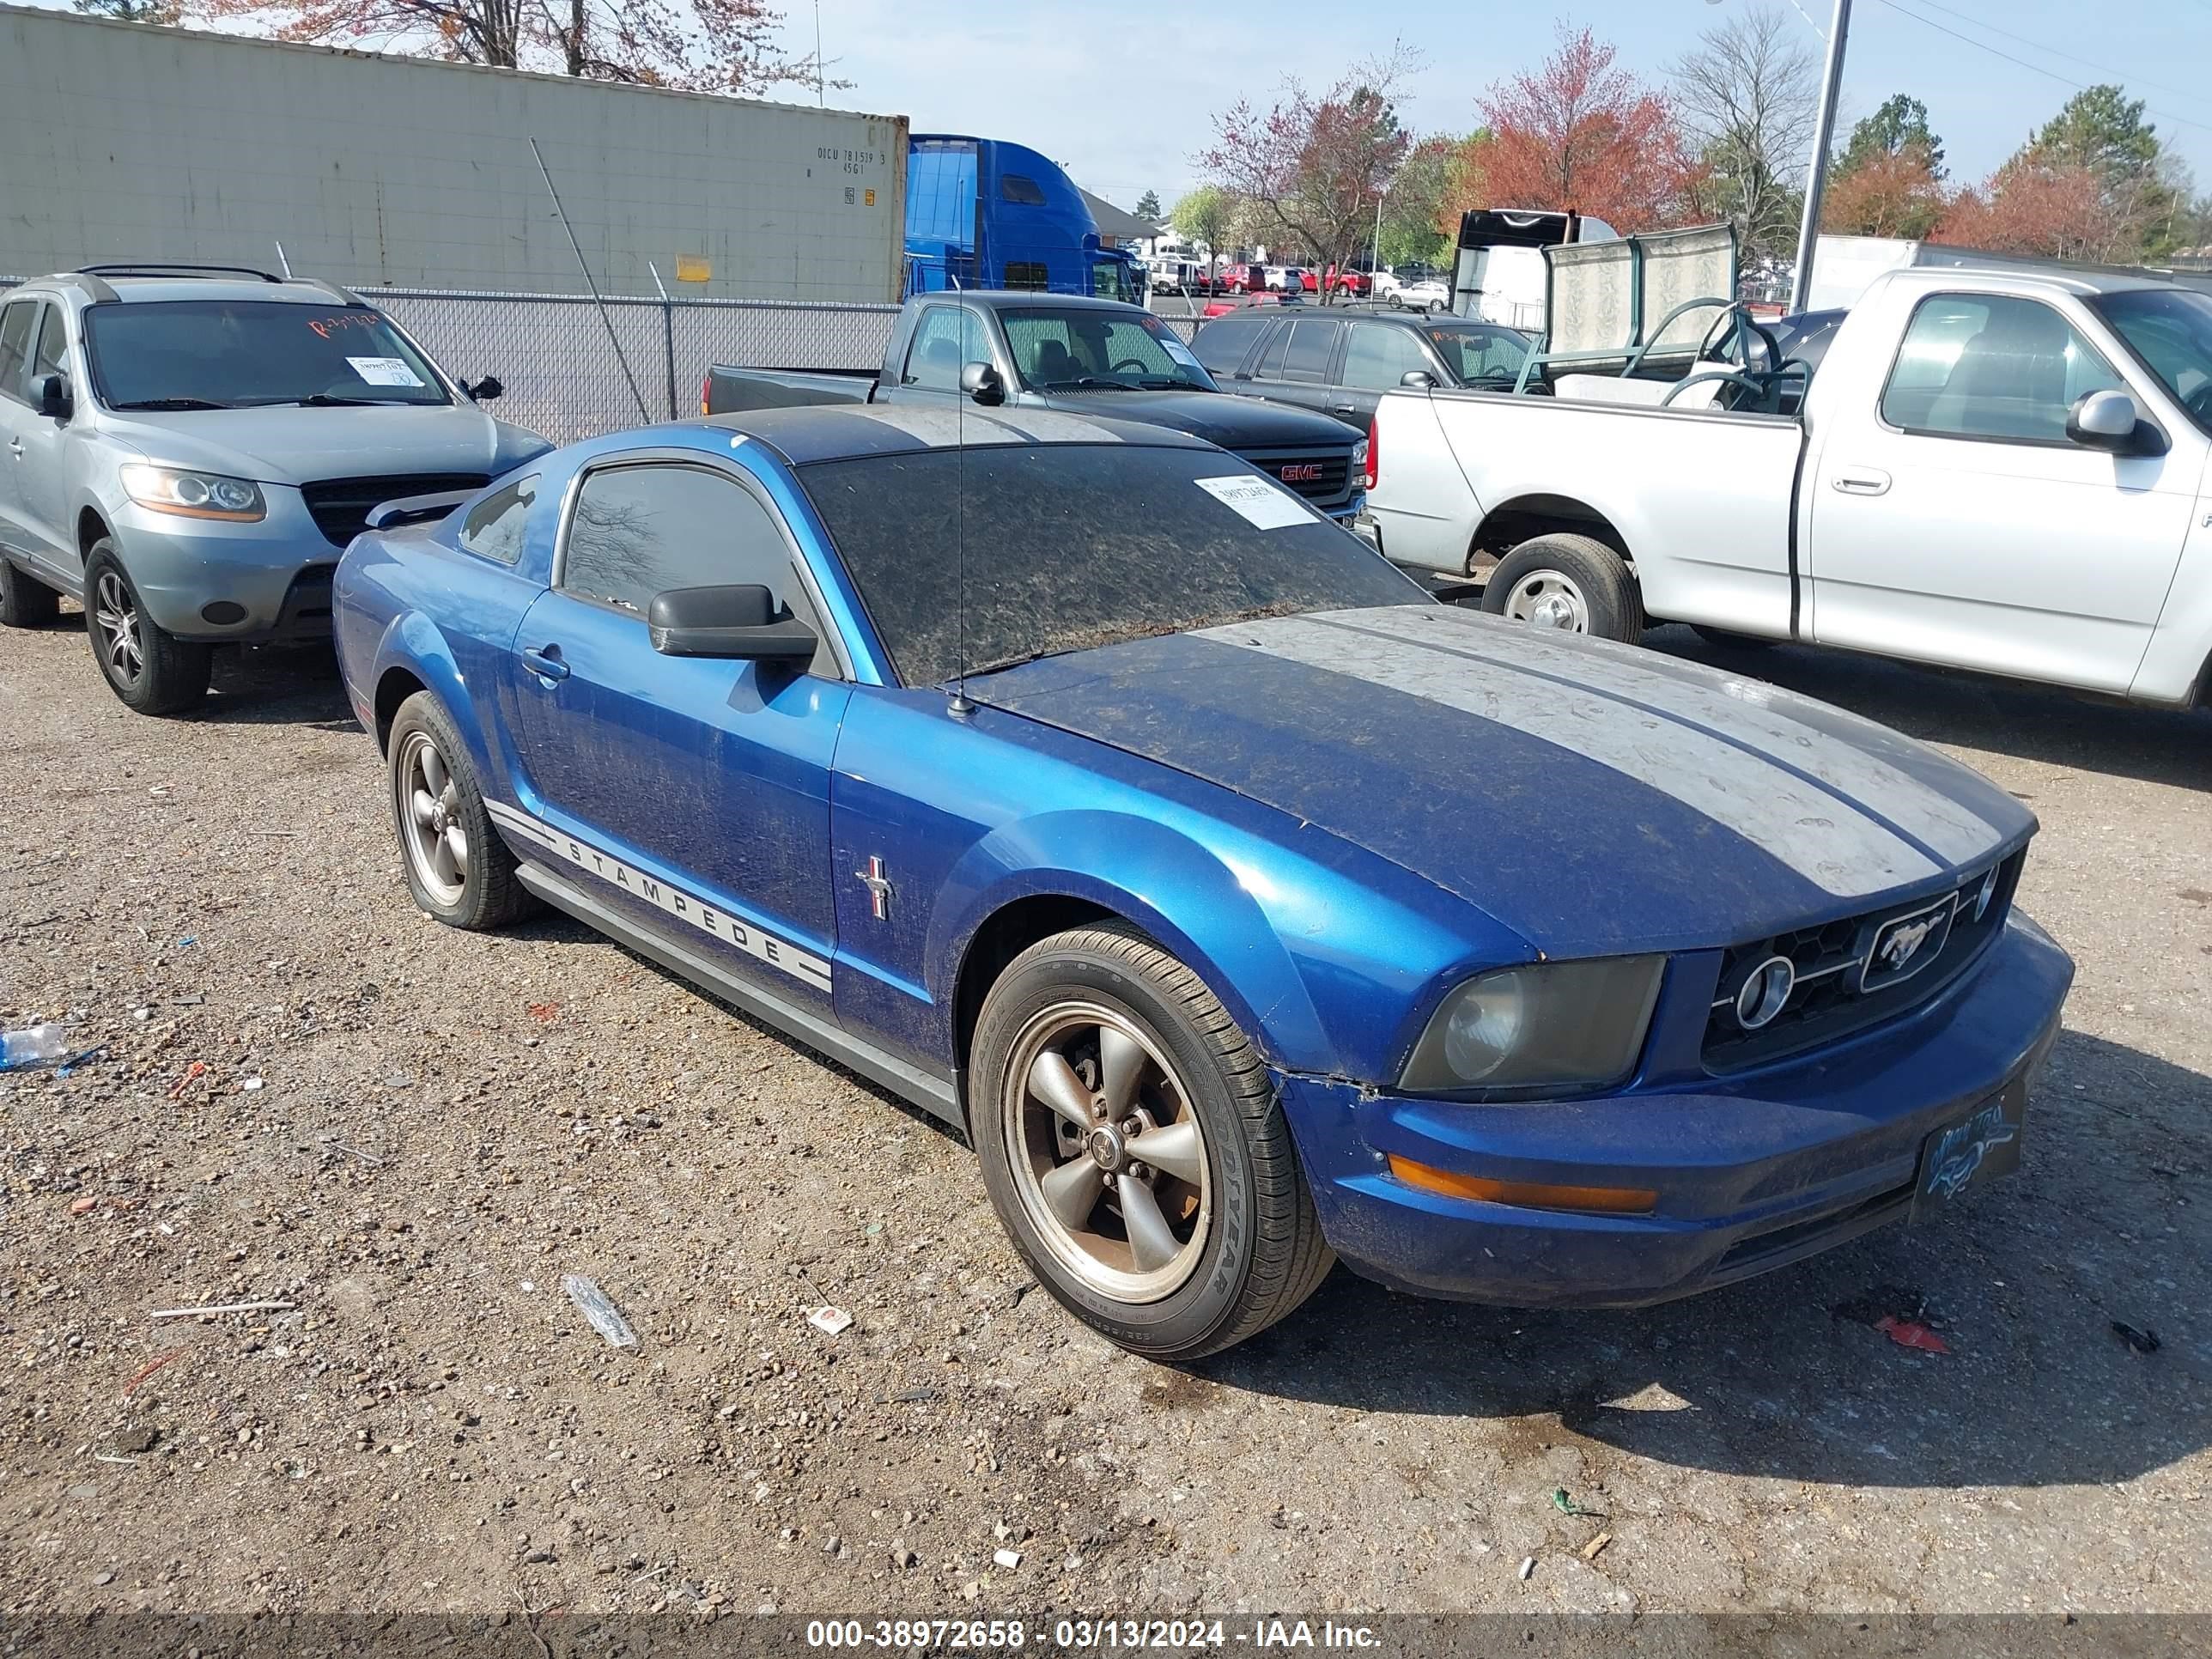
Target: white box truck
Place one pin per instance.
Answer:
(122, 142)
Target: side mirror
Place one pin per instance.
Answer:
(54, 400)
(2108, 420)
(485, 390)
(736, 622)
(1417, 379)
(981, 382)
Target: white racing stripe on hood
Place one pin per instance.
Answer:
(1927, 814)
(1826, 841)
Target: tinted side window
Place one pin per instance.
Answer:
(495, 525)
(1270, 366)
(1313, 343)
(1380, 356)
(14, 342)
(945, 338)
(1029, 276)
(1221, 345)
(1018, 187)
(1990, 365)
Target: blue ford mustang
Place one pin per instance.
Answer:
(1247, 907)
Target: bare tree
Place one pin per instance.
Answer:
(1309, 170)
(1748, 97)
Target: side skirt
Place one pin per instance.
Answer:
(935, 1095)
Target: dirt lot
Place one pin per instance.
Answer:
(411, 1134)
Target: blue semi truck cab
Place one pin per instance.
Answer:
(981, 213)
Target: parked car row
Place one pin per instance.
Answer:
(1085, 786)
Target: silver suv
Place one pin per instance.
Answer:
(189, 450)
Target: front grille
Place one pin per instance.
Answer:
(1840, 989)
(340, 507)
(1322, 479)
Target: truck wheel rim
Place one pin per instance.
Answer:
(1546, 599)
(122, 652)
(1106, 1152)
(429, 803)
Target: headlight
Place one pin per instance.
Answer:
(1359, 456)
(1558, 1024)
(193, 494)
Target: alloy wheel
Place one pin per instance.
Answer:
(429, 803)
(1106, 1152)
(115, 615)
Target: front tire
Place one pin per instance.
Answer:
(150, 669)
(458, 869)
(1134, 1149)
(25, 601)
(1575, 584)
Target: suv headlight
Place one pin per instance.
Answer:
(193, 494)
(1359, 456)
(1558, 1024)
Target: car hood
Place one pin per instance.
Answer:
(1233, 423)
(1593, 797)
(294, 445)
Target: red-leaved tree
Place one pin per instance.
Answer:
(1309, 171)
(702, 45)
(1577, 133)
(1886, 194)
(2052, 209)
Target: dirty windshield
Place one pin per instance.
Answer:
(1074, 545)
(247, 353)
(1090, 348)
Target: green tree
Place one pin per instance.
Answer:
(1205, 217)
(1413, 231)
(2141, 186)
(1900, 125)
(1148, 207)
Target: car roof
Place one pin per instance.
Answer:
(1008, 298)
(158, 284)
(838, 432)
(2027, 274)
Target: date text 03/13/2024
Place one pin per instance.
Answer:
(1008, 1635)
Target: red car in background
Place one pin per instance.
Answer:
(1355, 283)
(1222, 308)
(1242, 279)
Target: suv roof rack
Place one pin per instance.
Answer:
(164, 269)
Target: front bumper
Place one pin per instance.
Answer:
(222, 582)
(1754, 1172)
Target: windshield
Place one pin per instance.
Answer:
(1112, 279)
(1476, 353)
(244, 354)
(1069, 546)
(2170, 332)
(1080, 348)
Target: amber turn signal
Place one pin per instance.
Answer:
(1527, 1195)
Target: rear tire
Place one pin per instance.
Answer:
(25, 601)
(458, 869)
(1094, 1046)
(1575, 584)
(150, 669)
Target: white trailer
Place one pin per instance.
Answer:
(122, 142)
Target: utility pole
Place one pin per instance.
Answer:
(1824, 132)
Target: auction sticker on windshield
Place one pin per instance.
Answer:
(1258, 502)
(385, 371)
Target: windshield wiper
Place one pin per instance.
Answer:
(172, 402)
(324, 400)
(1089, 383)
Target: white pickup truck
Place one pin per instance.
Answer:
(1995, 469)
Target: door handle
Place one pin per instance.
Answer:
(1346, 408)
(16, 446)
(545, 662)
(1862, 481)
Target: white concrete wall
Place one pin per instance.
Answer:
(118, 141)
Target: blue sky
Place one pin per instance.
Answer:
(1120, 93)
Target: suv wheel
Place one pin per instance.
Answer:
(1134, 1149)
(150, 670)
(25, 601)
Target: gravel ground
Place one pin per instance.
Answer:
(312, 1095)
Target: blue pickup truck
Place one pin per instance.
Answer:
(1246, 907)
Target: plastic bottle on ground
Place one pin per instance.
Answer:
(34, 1045)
